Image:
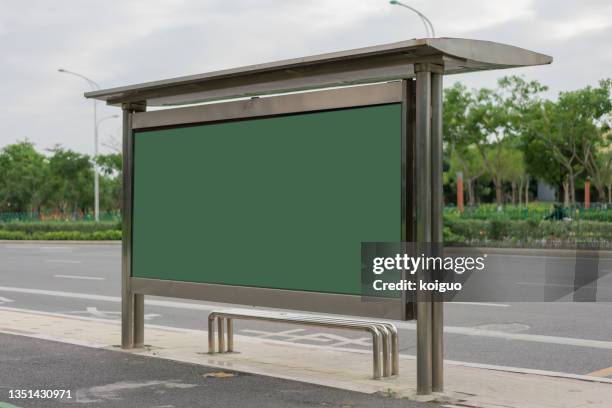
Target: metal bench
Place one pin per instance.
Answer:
(384, 335)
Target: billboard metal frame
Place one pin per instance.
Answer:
(139, 120)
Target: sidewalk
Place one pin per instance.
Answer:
(107, 379)
(465, 386)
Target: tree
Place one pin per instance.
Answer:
(514, 172)
(570, 130)
(22, 178)
(72, 180)
(468, 161)
(110, 181)
(494, 120)
(596, 158)
(463, 156)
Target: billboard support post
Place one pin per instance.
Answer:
(437, 208)
(423, 203)
(132, 305)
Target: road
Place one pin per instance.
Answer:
(84, 280)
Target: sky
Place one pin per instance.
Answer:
(124, 42)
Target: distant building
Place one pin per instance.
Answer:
(546, 192)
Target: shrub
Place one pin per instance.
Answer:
(51, 226)
(505, 232)
(110, 235)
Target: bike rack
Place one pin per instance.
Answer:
(384, 335)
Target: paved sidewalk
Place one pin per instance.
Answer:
(104, 378)
(466, 386)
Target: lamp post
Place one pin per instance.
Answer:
(425, 20)
(94, 87)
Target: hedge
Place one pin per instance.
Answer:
(61, 230)
(506, 232)
(60, 226)
(110, 235)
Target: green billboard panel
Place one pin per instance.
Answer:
(278, 202)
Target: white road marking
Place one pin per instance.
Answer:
(479, 304)
(56, 249)
(4, 300)
(78, 277)
(68, 261)
(102, 298)
(289, 335)
(110, 392)
(466, 331)
(107, 314)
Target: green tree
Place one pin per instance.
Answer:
(22, 178)
(514, 172)
(469, 162)
(71, 175)
(490, 121)
(570, 132)
(110, 181)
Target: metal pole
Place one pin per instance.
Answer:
(211, 333)
(437, 208)
(220, 335)
(94, 86)
(230, 335)
(96, 175)
(132, 305)
(127, 299)
(138, 320)
(423, 219)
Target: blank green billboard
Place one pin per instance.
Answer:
(277, 202)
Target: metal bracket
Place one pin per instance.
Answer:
(428, 67)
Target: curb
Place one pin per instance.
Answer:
(530, 251)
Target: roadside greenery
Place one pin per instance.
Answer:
(61, 230)
(503, 138)
(58, 183)
(526, 227)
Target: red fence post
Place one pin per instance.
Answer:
(587, 194)
(460, 191)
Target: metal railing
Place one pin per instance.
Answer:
(385, 339)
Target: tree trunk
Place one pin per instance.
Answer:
(572, 188)
(527, 192)
(499, 194)
(513, 193)
(566, 198)
(601, 194)
(470, 189)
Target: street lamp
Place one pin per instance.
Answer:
(425, 20)
(94, 87)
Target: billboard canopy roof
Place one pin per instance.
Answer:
(387, 62)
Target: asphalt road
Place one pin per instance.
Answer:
(574, 338)
(125, 380)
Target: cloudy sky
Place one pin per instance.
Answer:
(130, 41)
